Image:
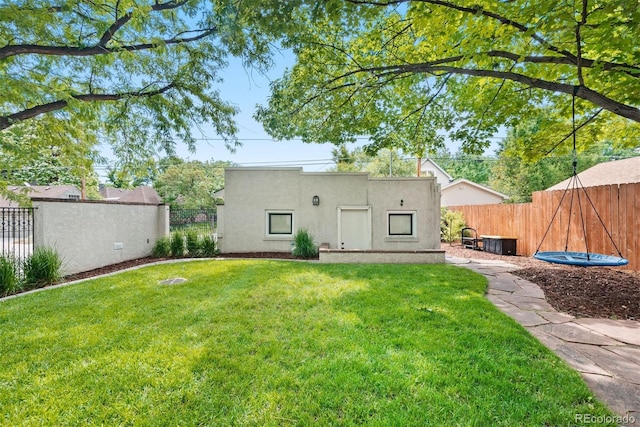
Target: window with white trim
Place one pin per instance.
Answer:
(279, 223)
(401, 224)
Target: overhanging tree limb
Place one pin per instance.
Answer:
(29, 113)
(584, 92)
(101, 47)
(13, 50)
(631, 70)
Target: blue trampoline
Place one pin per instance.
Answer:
(581, 259)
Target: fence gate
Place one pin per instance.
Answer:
(16, 232)
(202, 220)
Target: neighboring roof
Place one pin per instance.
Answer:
(428, 161)
(40, 191)
(473, 184)
(47, 191)
(111, 193)
(142, 194)
(624, 171)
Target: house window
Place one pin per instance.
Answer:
(74, 197)
(279, 223)
(402, 224)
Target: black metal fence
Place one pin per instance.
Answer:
(202, 220)
(16, 235)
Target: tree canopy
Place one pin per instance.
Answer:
(385, 163)
(191, 184)
(412, 71)
(26, 157)
(139, 75)
(517, 175)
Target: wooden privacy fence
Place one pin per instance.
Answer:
(617, 206)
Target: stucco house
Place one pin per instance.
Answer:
(264, 207)
(626, 171)
(428, 167)
(456, 192)
(465, 192)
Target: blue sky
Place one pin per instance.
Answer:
(245, 88)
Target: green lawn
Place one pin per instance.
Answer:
(278, 343)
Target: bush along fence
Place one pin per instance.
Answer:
(185, 244)
(616, 205)
(43, 267)
(16, 236)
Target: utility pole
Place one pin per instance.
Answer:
(390, 163)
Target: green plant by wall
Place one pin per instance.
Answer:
(208, 246)
(451, 224)
(162, 248)
(43, 267)
(194, 248)
(304, 246)
(177, 244)
(9, 283)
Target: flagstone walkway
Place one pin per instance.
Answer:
(605, 352)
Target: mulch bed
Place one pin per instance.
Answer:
(583, 292)
(149, 260)
(598, 292)
(588, 292)
(112, 268)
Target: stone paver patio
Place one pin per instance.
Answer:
(605, 352)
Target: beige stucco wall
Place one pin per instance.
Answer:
(465, 194)
(90, 235)
(426, 256)
(251, 192)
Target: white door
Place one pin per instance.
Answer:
(355, 228)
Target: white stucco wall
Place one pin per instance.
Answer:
(464, 194)
(251, 192)
(90, 235)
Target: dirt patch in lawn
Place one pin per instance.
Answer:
(583, 292)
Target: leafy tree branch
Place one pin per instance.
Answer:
(101, 48)
(30, 113)
(423, 68)
(583, 92)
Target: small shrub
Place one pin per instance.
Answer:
(162, 248)
(451, 224)
(177, 244)
(9, 283)
(303, 245)
(193, 243)
(208, 246)
(42, 268)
